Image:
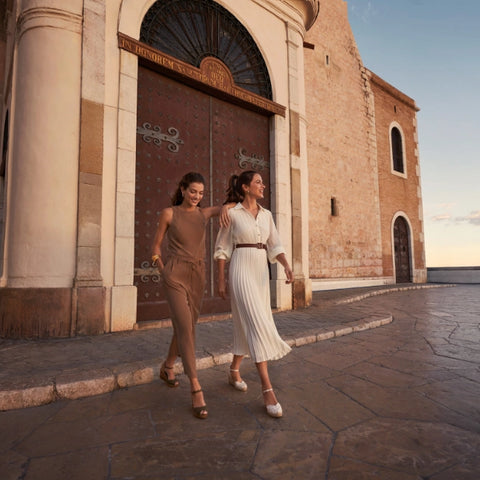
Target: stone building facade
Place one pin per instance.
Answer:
(105, 104)
(356, 197)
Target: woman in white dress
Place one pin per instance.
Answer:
(249, 242)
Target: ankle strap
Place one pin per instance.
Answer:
(232, 370)
(268, 390)
(196, 391)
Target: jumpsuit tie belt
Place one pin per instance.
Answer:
(192, 260)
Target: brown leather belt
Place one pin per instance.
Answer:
(251, 245)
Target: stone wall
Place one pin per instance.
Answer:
(341, 153)
(454, 275)
(400, 194)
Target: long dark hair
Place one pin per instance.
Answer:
(235, 191)
(187, 179)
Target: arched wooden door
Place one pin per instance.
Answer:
(181, 129)
(402, 251)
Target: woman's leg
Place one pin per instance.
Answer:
(171, 358)
(269, 397)
(183, 342)
(235, 368)
(184, 339)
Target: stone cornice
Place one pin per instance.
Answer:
(300, 14)
(41, 17)
(309, 10)
(391, 90)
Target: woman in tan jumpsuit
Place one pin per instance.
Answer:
(183, 276)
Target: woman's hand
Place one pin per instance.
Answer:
(160, 266)
(157, 262)
(288, 274)
(224, 216)
(288, 271)
(222, 289)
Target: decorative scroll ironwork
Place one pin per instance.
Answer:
(257, 162)
(147, 273)
(157, 136)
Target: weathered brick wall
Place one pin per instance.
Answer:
(398, 193)
(342, 158)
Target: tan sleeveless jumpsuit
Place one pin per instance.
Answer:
(184, 279)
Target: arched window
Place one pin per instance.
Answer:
(191, 30)
(397, 150)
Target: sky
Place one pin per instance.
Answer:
(430, 50)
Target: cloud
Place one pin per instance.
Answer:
(447, 206)
(365, 12)
(473, 218)
(443, 217)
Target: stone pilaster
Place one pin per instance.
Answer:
(302, 292)
(89, 292)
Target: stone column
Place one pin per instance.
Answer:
(43, 171)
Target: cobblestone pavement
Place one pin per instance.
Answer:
(396, 402)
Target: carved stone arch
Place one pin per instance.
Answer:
(192, 30)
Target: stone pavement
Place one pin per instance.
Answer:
(38, 372)
(399, 402)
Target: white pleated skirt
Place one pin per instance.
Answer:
(254, 330)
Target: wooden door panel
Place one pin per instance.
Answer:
(240, 141)
(402, 251)
(171, 141)
(180, 129)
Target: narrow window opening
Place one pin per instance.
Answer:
(397, 150)
(395, 108)
(327, 60)
(333, 207)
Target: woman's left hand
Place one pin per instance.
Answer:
(289, 274)
(224, 217)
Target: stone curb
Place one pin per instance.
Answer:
(374, 293)
(79, 384)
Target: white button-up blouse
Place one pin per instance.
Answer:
(245, 228)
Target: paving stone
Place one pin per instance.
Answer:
(384, 403)
(415, 448)
(78, 465)
(291, 455)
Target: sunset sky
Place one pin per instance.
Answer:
(430, 50)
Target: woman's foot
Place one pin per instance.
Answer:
(198, 405)
(235, 381)
(274, 409)
(167, 375)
